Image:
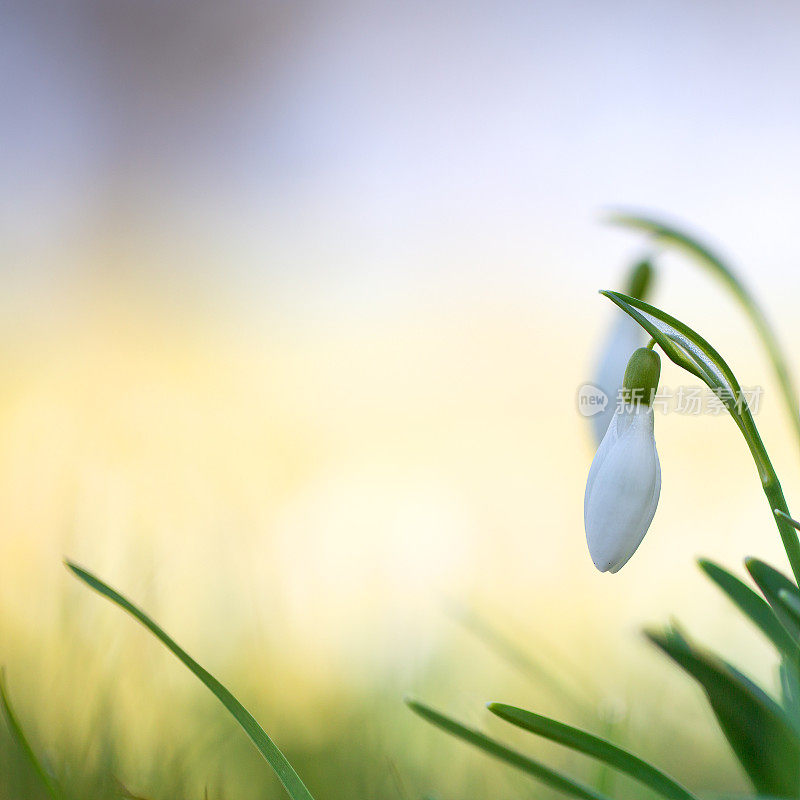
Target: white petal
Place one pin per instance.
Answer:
(624, 337)
(608, 440)
(622, 489)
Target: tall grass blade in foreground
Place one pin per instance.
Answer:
(590, 745)
(549, 777)
(274, 757)
(49, 784)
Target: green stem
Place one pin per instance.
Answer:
(772, 489)
(788, 534)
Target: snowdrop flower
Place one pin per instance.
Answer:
(625, 478)
(623, 338)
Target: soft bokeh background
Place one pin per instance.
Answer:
(296, 298)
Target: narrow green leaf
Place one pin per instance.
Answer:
(593, 746)
(754, 607)
(684, 346)
(689, 350)
(784, 598)
(756, 727)
(51, 787)
(701, 253)
(772, 582)
(547, 776)
(790, 672)
(273, 756)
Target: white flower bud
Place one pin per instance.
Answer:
(622, 488)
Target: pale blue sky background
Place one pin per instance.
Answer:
(368, 151)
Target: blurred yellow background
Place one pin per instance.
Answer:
(296, 300)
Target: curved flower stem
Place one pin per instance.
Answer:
(772, 489)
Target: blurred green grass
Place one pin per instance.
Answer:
(176, 744)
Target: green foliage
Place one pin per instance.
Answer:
(273, 756)
(758, 610)
(594, 746)
(682, 345)
(640, 279)
(536, 769)
(757, 728)
(48, 783)
(772, 583)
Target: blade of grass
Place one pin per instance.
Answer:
(19, 737)
(771, 581)
(268, 749)
(549, 777)
(593, 746)
(758, 730)
(753, 606)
